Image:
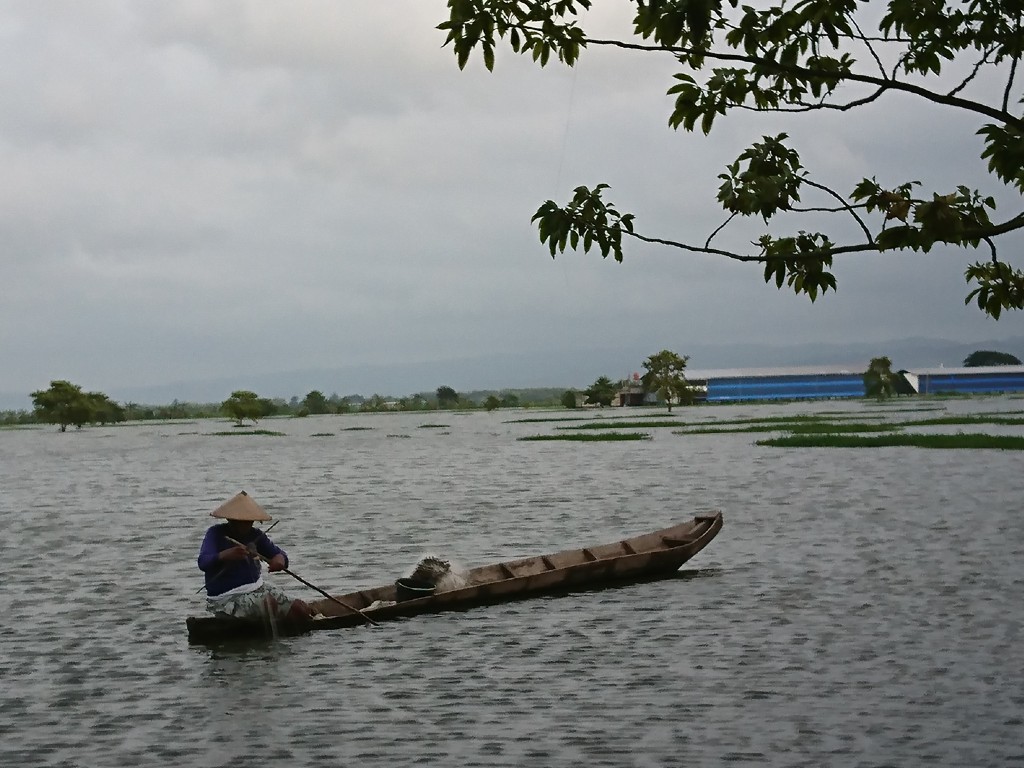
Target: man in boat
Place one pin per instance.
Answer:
(231, 557)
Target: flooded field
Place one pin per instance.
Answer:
(861, 607)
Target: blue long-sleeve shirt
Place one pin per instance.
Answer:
(222, 575)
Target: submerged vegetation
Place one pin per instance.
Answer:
(591, 438)
(623, 424)
(957, 441)
(838, 431)
(838, 424)
(232, 432)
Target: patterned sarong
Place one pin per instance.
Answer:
(261, 602)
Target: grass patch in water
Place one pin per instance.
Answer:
(800, 427)
(432, 426)
(356, 429)
(623, 425)
(796, 419)
(942, 421)
(252, 432)
(803, 425)
(322, 434)
(540, 421)
(820, 429)
(590, 438)
(764, 424)
(947, 442)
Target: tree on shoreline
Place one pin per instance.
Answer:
(447, 397)
(244, 404)
(805, 57)
(315, 403)
(987, 357)
(665, 376)
(879, 380)
(601, 392)
(63, 404)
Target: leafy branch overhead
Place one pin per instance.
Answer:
(804, 57)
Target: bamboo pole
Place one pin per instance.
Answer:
(309, 584)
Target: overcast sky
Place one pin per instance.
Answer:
(196, 189)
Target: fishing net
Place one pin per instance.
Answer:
(437, 571)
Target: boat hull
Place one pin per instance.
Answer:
(649, 557)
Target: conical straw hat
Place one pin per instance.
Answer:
(241, 507)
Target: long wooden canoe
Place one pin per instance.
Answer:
(642, 558)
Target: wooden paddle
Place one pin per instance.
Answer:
(308, 584)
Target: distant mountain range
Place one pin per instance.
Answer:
(577, 368)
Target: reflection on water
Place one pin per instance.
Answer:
(860, 607)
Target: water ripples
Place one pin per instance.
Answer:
(858, 608)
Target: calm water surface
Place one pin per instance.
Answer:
(860, 607)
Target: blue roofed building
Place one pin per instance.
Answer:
(981, 380)
(739, 384)
(830, 382)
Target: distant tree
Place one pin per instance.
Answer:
(242, 405)
(63, 404)
(601, 392)
(316, 403)
(879, 380)
(417, 403)
(103, 410)
(447, 397)
(17, 417)
(375, 403)
(665, 377)
(987, 357)
(569, 398)
(267, 406)
(510, 400)
(492, 402)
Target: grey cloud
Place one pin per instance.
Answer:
(198, 189)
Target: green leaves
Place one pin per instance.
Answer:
(958, 218)
(1000, 287)
(1004, 149)
(798, 57)
(586, 218)
(799, 262)
(677, 22)
(534, 27)
(764, 179)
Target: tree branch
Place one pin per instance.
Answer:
(805, 72)
(846, 205)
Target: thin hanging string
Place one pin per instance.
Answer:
(565, 142)
(565, 131)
